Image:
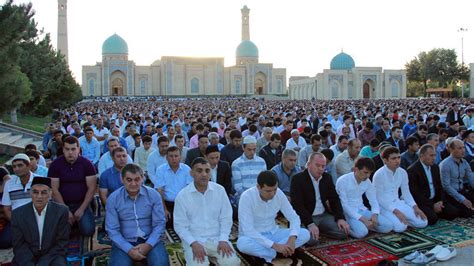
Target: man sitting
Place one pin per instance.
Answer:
(425, 186)
(350, 188)
(286, 170)
(259, 234)
(458, 179)
(316, 201)
(388, 180)
(40, 228)
(271, 153)
(135, 221)
(203, 218)
(106, 161)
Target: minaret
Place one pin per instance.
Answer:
(62, 28)
(245, 23)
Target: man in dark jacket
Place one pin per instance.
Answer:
(272, 152)
(315, 200)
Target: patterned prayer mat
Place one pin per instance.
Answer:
(468, 222)
(450, 233)
(353, 253)
(404, 243)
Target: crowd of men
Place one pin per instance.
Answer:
(338, 168)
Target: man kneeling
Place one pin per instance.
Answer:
(135, 221)
(259, 235)
(203, 218)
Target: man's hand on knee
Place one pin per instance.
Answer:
(144, 248)
(224, 249)
(135, 254)
(199, 254)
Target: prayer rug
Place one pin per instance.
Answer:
(404, 243)
(468, 222)
(353, 253)
(6, 256)
(449, 233)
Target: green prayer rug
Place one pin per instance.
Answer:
(450, 233)
(468, 222)
(404, 243)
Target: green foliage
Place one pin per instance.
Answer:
(32, 74)
(53, 84)
(415, 89)
(436, 68)
(16, 26)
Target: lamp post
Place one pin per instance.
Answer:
(462, 30)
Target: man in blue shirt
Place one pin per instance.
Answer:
(135, 221)
(286, 169)
(90, 146)
(110, 179)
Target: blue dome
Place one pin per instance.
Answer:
(342, 61)
(247, 49)
(115, 45)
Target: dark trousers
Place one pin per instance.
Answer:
(449, 211)
(170, 207)
(463, 210)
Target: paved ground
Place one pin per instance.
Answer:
(465, 257)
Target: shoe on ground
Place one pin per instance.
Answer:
(408, 258)
(424, 259)
(443, 252)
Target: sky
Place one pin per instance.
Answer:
(299, 35)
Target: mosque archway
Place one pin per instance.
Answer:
(260, 83)
(118, 83)
(368, 89)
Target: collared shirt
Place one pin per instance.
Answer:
(111, 180)
(40, 221)
(291, 144)
(100, 133)
(172, 182)
(245, 172)
(408, 159)
(106, 162)
(318, 206)
(350, 192)
(284, 180)
(141, 156)
(344, 163)
(257, 216)
(41, 171)
(155, 160)
(365, 137)
(427, 169)
(387, 183)
(202, 216)
(303, 156)
(214, 174)
(14, 194)
(128, 219)
(367, 152)
(90, 151)
(454, 175)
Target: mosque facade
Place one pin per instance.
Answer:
(116, 75)
(346, 81)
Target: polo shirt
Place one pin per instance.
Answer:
(72, 178)
(14, 194)
(110, 179)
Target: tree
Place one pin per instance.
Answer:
(52, 82)
(437, 68)
(16, 26)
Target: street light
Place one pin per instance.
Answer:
(462, 30)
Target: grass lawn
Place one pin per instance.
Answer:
(30, 122)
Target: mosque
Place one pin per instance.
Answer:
(116, 75)
(346, 81)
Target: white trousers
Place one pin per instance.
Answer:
(409, 213)
(211, 250)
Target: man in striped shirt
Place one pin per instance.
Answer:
(246, 168)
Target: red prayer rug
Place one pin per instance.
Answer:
(353, 253)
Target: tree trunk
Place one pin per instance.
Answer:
(13, 116)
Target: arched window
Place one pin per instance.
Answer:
(237, 86)
(91, 87)
(394, 86)
(334, 89)
(195, 85)
(142, 86)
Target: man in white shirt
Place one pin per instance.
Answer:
(142, 152)
(203, 219)
(345, 160)
(157, 158)
(296, 142)
(388, 180)
(350, 188)
(259, 235)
